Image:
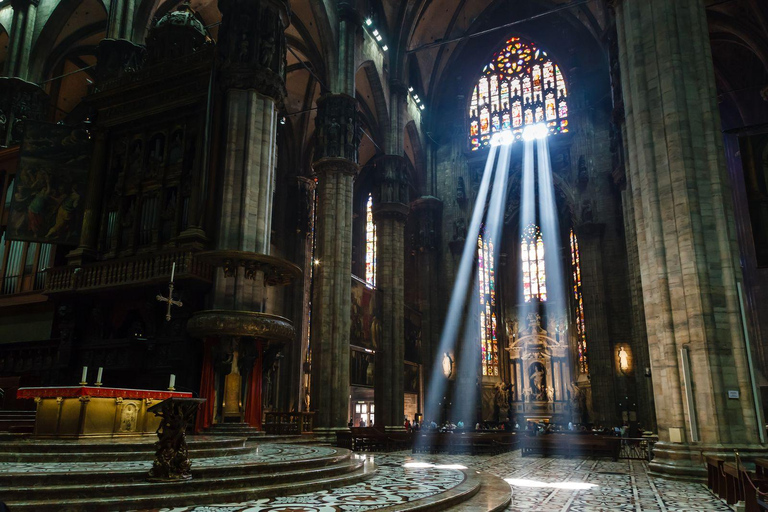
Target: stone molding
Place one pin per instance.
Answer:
(276, 271)
(335, 165)
(220, 322)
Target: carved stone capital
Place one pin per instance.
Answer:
(391, 181)
(251, 46)
(335, 165)
(427, 210)
(219, 322)
(336, 127)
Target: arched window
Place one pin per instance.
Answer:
(534, 273)
(521, 86)
(487, 283)
(370, 244)
(581, 330)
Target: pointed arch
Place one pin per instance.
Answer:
(520, 86)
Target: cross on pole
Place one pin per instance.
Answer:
(169, 299)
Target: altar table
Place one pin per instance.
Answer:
(88, 411)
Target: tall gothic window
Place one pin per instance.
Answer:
(581, 331)
(487, 282)
(370, 243)
(521, 86)
(534, 272)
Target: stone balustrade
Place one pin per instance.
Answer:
(135, 270)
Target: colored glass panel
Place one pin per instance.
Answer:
(370, 244)
(489, 346)
(534, 269)
(578, 300)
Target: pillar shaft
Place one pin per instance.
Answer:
(390, 210)
(120, 22)
(251, 62)
(335, 167)
(685, 233)
(20, 44)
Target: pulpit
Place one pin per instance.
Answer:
(85, 411)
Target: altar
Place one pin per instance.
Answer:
(86, 411)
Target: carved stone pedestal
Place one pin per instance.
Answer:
(172, 459)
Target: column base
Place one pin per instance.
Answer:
(678, 461)
(327, 434)
(81, 256)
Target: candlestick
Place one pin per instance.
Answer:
(173, 270)
(172, 383)
(85, 376)
(98, 376)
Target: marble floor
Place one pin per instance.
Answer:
(536, 484)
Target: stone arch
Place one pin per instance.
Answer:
(418, 156)
(378, 97)
(45, 42)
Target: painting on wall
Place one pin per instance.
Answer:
(49, 190)
(365, 329)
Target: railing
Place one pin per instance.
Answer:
(289, 422)
(126, 271)
(637, 448)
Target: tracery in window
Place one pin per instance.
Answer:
(370, 244)
(520, 86)
(487, 283)
(581, 331)
(534, 271)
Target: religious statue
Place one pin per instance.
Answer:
(538, 381)
(534, 323)
(551, 394)
(623, 359)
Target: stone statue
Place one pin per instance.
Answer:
(538, 381)
(623, 359)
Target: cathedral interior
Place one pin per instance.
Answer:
(346, 255)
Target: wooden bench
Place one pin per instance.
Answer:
(475, 442)
(571, 445)
(733, 489)
(715, 478)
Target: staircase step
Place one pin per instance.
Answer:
(139, 486)
(196, 492)
(112, 476)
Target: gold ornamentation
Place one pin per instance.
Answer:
(219, 322)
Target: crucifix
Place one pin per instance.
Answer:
(169, 298)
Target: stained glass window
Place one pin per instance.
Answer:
(487, 283)
(534, 271)
(520, 83)
(578, 299)
(370, 244)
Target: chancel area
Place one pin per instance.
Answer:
(349, 255)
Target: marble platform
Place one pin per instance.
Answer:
(407, 482)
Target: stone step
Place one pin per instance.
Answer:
(111, 449)
(494, 495)
(104, 475)
(198, 491)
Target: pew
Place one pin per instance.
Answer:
(715, 478)
(571, 445)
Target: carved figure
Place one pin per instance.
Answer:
(538, 381)
(267, 51)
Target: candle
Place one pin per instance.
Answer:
(98, 376)
(172, 383)
(173, 270)
(85, 375)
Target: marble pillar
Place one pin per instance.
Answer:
(120, 20)
(390, 210)
(686, 237)
(335, 166)
(251, 61)
(20, 43)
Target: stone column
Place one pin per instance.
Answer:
(93, 201)
(20, 44)
(428, 212)
(251, 61)
(335, 166)
(590, 236)
(390, 210)
(685, 235)
(120, 22)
